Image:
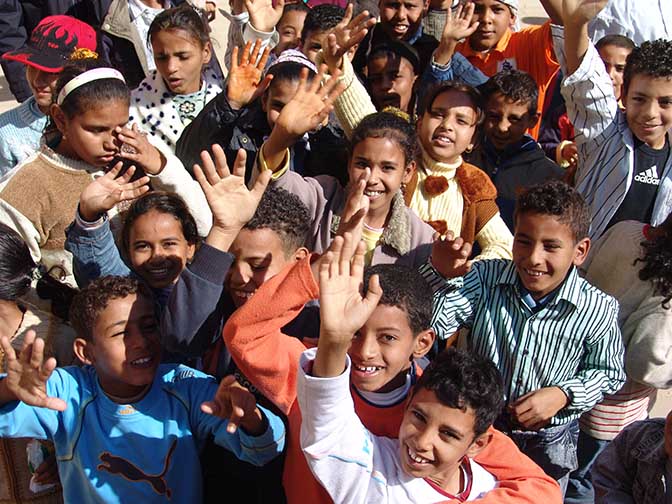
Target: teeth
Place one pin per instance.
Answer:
(416, 458)
(368, 369)
(534, 273)
(243, 294)
(158, 271)
(372, 193)
(143, 360)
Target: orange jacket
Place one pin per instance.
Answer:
(270, 360)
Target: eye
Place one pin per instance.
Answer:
(463, 122)
(389, 168)
(418, 416)
(522, 241)
(140, 246)
(258, 267)
(388, 338)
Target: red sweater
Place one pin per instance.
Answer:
(270, 360)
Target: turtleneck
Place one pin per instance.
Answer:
(433, 167)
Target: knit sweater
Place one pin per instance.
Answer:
(20, 132)
(270, 360)
(645, 325)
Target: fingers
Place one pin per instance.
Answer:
(47, 471)
(245, 58)
(261, 184)
(112, 174)
(261, 65)
(234, 58)
(255, 52)
(8, 349)
(347, 253)
(207, 168)
(239, 165)
(346, 17)
(220, 161)
(374, 291)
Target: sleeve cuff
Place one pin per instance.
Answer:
(263, 165)
(84, 224)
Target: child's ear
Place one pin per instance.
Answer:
(81, 348)
(423, 343)
(207, 53)
(409, 170)
(301, 253)
(479, 444)
(533, 120)
(581, 250)
(58, 116)
(191, 250)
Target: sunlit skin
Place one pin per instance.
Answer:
(389, 169)
(90, 135)
(401, 19)
(648, 108)
(260, 255)
(180, 59)
(614, 58)
(382, 351)
(494, 18)
(277, 96)
(158, 250)
(446, 129)
(434, 439)
(544, 251)
(42, 85)
(315, 41)
(506, 121)
(124, 347)
(289, 29)
(391, 79)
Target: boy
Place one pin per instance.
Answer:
(553, 336)
(614, 51)
(624, 156)
(445, 422)
(125, 427)
(394, 336)
(511, 157)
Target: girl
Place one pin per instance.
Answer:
(382, 158)
(89, 116)
(172, 95)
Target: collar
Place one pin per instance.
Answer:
(524, 144)
(468, 52)
(569, 290)
(136, 9)
(416, 36)
(29, 113)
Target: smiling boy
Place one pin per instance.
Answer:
(553, 336)
(624, 156)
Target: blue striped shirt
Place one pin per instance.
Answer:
(573, 342)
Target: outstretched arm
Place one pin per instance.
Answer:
(576, 14)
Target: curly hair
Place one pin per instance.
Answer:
(16, 265)
(472, 93)
(464, 380)
(285, 214)
(558, 199)
(405, 288)
(517, 86)
(88, 304)
(321, 18)
(388, 124)
(653, 59)
(657, 260)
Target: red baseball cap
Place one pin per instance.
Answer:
(53, 41)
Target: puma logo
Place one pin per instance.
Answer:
(129, 471)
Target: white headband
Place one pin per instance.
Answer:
(85, 78)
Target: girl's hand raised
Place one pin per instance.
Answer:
(105, 192)
(136, 148)
(244, 84)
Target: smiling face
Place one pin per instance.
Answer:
(289, 28)
(434, 439)
(446, 129)
(158, 250)
(494, 18)
(125, 348)
(42, 85)
(401, 19)
(544, 251)
(180, 59)
(89, 135)
(391, 79)
(506, 121)
(648, 108)
(382, 351)
(614, 58)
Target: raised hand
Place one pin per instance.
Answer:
(105, 192)
(356, 208)
(136, 148)
(345, 35)
(28, 373)
(263, 14)
(450, 255)
(232, 204)
(579, 12)
(245, 82)
(459, 25)
(343, 309)
(234, 402)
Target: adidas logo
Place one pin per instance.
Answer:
(650, 176)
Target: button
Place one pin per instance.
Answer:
(244, 140)
(525, 352)
(520, 381)
(106, 26)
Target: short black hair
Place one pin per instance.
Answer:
(321, 18)
(95, 297)
(462, 380)
(285, 214)
(559, 200)
(472, 93)
(515, 85)
(398, 48)
(287, 71)
(299, 7)
(391, 125)
(405, 288)
(16, 265)
(615, 40)
(653, 59)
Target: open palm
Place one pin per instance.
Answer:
(105, 192)
(244, 83)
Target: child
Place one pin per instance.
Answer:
(635, 467)
(553, 336)
(445, 423)
(382, 158)
(43, 56)
(384, 370)
(392, 70)
(126, 427)
(290, 27)
(614, 51)
(90, 116)
(511, 158)
(624, 157)
(173, 94)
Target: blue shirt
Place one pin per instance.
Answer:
(20, 133)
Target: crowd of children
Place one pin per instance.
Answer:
(403, 252)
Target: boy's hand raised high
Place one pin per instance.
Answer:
(263, 14)
(232, 204)
(27, 374)
(575, 15)
(346, 35)
(343, 309)
(459, 25)
(237, 404)
(245, 83)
